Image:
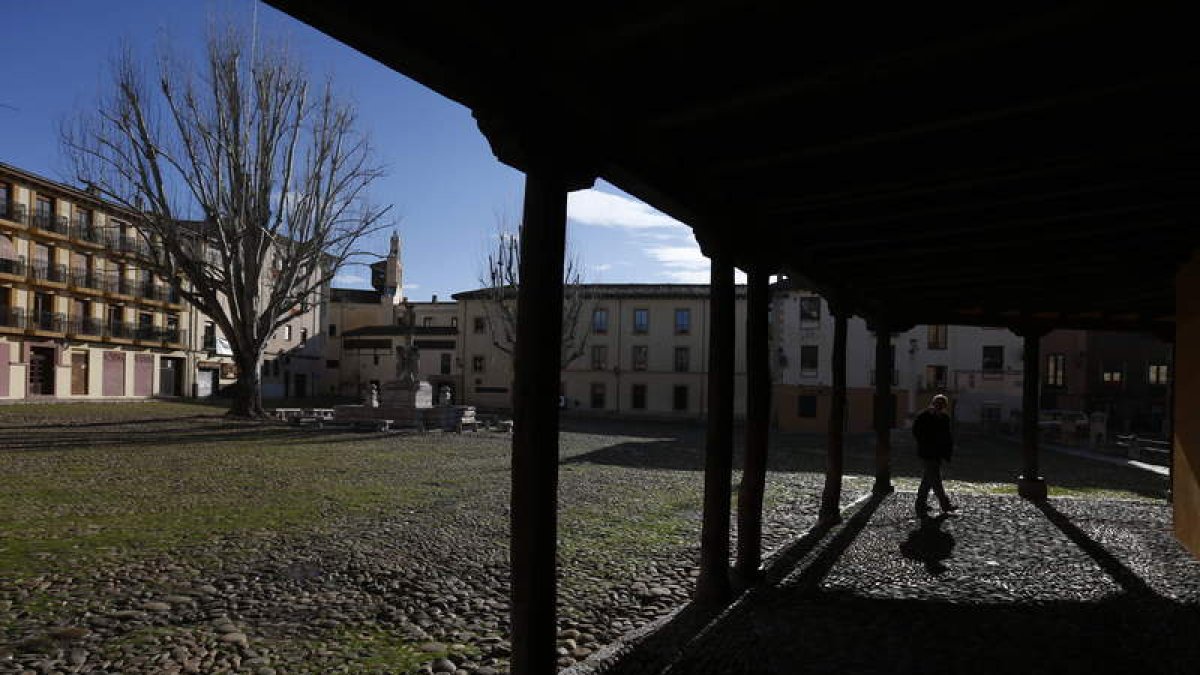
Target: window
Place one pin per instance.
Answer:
(454, 322)
(810, 312)
(303, 336)
(641, 355)
(5, 199)
(641, 321)
(445, 364)
(1158, 374)
(44, 211)
(83, 219)
(333, 330)
(1056, 370)
(638, 397)
(935, 377)
(808, 360)
(266, 368)
(679, 397)
(993, 359)
(683, 359)
(599, 357)
(806, 405)
(477, 364)
(333, 363)
(427, 321)
(1112, 377)
(683, 321)
(479, 324)
(938, 336)
(210, 330)
(275, 367)
(598, 395)
(287, 332)
(374, 359)
(600, 321)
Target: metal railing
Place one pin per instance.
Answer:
(54, 322)
(87, 231)
(86, 279)
(210, 342)
(44, 271)
(15, 212)
(85, 325)
(119, 329)
(15, 266)
(52, 223)
(12, 317)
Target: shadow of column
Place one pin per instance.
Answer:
(1125, 577)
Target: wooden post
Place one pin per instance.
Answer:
(536, 357)
(713, 585)
(758, 417)
(1030, 484)
(831, 496)
(884, 410)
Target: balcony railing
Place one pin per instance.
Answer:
(86, 279)
(14, 266)
(119, 329)
(15, 212)
(51, 223)
(85, 325)
(87, 231)
(12, 317)
(175, 336)
(55, 322)
(210, 342)
(44, 271)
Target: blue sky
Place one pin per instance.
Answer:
(447, 190)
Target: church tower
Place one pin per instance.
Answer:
(387, 276)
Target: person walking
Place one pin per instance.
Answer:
(935, 444)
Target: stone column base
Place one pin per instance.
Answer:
(1031, 488)
(883, 487)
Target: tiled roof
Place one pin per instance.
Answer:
(625, 291)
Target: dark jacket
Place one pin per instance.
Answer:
(932, 431)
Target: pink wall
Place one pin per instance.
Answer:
(143, 374)
(114, 373)
(4, 369)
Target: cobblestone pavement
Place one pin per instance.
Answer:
(1004, 585)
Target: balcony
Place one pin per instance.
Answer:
(210, 342)
(52, 322)
(87, 232)
(45, 272)
(86, 326)
(86, 279)
(119, 330)
(12, 317)
(174, 335)
(48, 222)
(17, 213)
(14, 266)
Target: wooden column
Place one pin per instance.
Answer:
(1030, 484)
(713, 585)
(884, 410)
(831, 496)
(536, 356)
(758, 417)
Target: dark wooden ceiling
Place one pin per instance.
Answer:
(978, 166)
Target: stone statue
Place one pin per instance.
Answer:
(408, 357)
(374, 397)
(446, 395)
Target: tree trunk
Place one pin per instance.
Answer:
(247, 393)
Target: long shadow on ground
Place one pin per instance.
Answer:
(796, 622)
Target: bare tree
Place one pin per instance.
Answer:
(500, 280)
(248, 183)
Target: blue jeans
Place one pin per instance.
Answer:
(932, 480)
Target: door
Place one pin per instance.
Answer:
(301, 385)
(41, 371)
(79, 374)
(168, 376)
(205, 380)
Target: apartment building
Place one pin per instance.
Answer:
(978, 368)
(81, 316)
(646, 352)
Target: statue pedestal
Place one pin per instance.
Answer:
(402, 395)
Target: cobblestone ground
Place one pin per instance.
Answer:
(1073, 586)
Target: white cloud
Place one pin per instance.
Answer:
(348, 278)
(603, 209)
(685, 264)
(602, 268)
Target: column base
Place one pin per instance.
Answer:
(829, 518)
(1033, 489)
(713, 591)
(883, 487)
